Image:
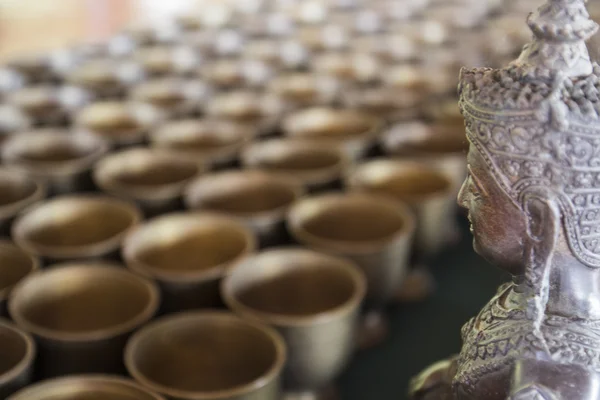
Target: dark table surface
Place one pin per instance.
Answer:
(425, 332)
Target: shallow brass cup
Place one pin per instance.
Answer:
(163, 60)
(49, 105)
(71, 228)
(175, 97)
(318, 167)
(102, 387)
(207, 355)
(351, 67)
(426, 190)
(443, 146)
(188, 254)
(232, 74)
(380, 101)
(121, 124)
(313, 300)
(216, 143)
(35, 68)
(81, 315)
(257, 198)
(353, 131)
(15, 264)
(152, 178)
(17, 192)
(17, 355)
(60, 158)
(12, 120)
(105, 78)
(373, 231)
(304, 89)
(255, 109)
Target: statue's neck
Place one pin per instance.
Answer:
(574, 290)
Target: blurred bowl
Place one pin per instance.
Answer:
(188, 254)
(18, 355)
(49, 105)
(17, 192)
(305, 89)
(257, 110)
(161, 60)
(82, 315)
(216, 143)
(209, 356)
(153, 178)
(75, 227)
(259, 199)
(318, 167)
(60, 158)
(353, 131)
(104, 387)
(119, 123)
(105, 78)
(15, 264)
(175, 97)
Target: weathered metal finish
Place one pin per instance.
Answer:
(532, 195)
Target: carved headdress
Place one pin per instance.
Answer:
(537, 121)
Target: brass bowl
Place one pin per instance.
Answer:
(259, 199)
(261, 111)
(216, 143)
(15, 264)
(17, 192)
(153, 178)
(49, 105)
(305, 89)
(373, 231)
(188, 254)
(381, 102)
(443, 146)
(312, 299)
(428, 191)
(349, 66)
(316, 166)
(82, 315)
(175, 97)
(353, 131)
(319, 38)
(60, 158)
(18, 354)
(119, 123)
(75, 227)
(12, 120)
(208, 355)
(232, 74)
(161, 60)
(105, 78)
(103, 387)
(35, 68)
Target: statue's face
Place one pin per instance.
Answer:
(497, 224)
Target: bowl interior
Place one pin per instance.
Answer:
(14, 188)
(15, 264)
(13, 349)
(295, 158)
(350, 221)
(110, 117)
(292, 285)
(81, 299)
(76, 222)
(240, 194)
(405, 182)
(322, 123)
(185, 244)
(204, 355)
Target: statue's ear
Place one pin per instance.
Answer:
(543, 221)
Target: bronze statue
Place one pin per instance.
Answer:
(533, 196)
